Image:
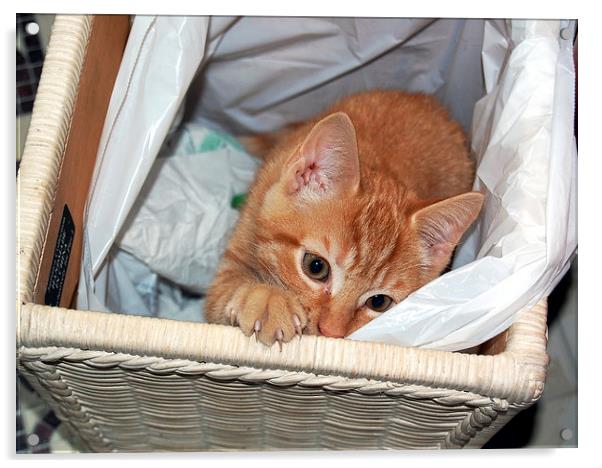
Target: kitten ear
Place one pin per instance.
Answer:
(326, 165)
(441, 225)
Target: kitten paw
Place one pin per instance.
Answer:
(271, 314)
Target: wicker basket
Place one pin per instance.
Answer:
(126, 383)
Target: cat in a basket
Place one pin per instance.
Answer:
(351, 212)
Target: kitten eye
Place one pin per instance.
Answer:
(315, 267)
(379, 302)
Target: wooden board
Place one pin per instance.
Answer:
(61, 257)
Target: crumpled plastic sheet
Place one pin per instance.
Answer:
(526, 235)
(258, 74)
(140, 114)
(181, 220)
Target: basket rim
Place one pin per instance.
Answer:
(517, 374)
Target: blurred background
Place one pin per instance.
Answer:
(551, 422)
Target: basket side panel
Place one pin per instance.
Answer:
(60, 263)
(50, 387)
(128, 403)
(45, 143)
(483, 436)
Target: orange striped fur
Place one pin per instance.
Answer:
(377, 186)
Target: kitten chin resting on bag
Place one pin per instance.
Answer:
(351, 212)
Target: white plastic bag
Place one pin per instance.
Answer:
(181, 220)
(526, 235)
(257, 74)
(261, 73)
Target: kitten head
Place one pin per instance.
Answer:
(349, 243)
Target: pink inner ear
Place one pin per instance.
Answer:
(327, 162)
(307, 174)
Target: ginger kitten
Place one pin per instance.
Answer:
(351, 212)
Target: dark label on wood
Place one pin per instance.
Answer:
(60, 260)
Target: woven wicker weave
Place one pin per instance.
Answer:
(127, 383)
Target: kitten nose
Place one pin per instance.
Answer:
(330, 330)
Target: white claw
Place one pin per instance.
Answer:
(279, 338)
(297, 322)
